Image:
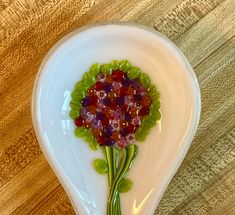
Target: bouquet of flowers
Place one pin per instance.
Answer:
(113, 106)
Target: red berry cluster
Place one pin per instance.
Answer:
(113, 108)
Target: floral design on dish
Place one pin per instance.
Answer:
(114, 106)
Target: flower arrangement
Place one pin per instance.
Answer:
(113, 106)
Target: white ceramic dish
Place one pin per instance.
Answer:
(159, 157)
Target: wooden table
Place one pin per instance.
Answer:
(203, 29)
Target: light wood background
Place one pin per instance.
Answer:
(203, 29)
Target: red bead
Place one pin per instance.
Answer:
(130, 91)
(94, 99)
(91, 90)
(107, 112)
(105, 121)
(133, 111)
(144, 111)
(92, 109)
(131, 128)
(123, 124)
(79, 121)
(97, 133)
(113, 105)
(101, 140)
(99, 86)
(116, 136)
(124, 108)
(109, 79)
(123, 91)
(146, 101)
(118, 75)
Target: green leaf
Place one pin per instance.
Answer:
(115, 65)
(127, 67)
(144, 132)
(80, 132)
(134, 72)
(154, 92)
(75, 102)
(156, 104)
(155, 96)
(79, 85)
(150, 121)
(93, 144)
(88, 79)
(87, 136)
(75, 106)
(122, 64)
(144, 129)
(152, 89)
(106, 68)
(92, 78)
(90, 139)
(125, 185)
(100, 166)
(158, 115)
(74, 113)
(144, 79)
(155, 114)
(77, 95)
(95, 69)
(139, 136)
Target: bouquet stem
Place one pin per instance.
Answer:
(119, 162)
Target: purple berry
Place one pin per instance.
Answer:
(110, 142)
(120, 100)
(127, 117)
(108, 131)
(137, 97)
(86, 101)
(107, 101)
(126, 82)
(100, 116)
(124, 132)
(107, 88)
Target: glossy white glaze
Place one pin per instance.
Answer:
(158, 157)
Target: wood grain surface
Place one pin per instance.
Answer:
(203, 29)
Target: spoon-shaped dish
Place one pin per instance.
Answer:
(165, 147)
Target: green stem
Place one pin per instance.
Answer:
(112, 195)
(117, 206)
(115, 159)
(112, 157)
(115, 151)
(126, 157)
(109, 157)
